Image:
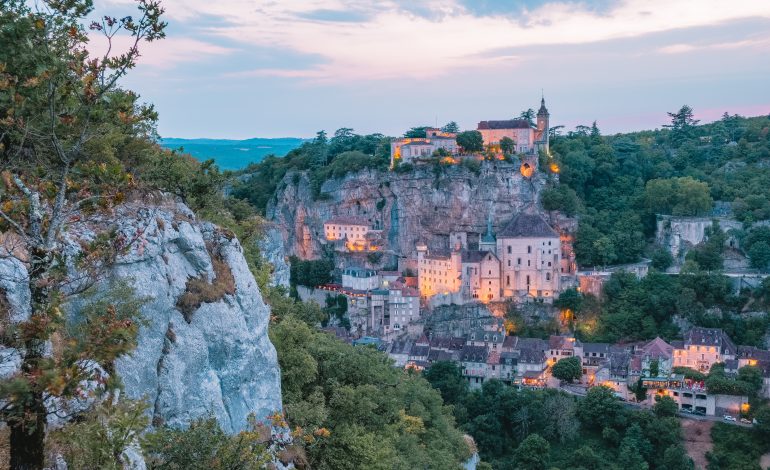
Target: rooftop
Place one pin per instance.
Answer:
(526, 225)
(348, 220)
(505, 124)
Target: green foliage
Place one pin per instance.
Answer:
(377, 416)
(736, 448)
(446, 377)
(310, 273)
(318, 160)
(560, 198)
(507, 145)
(678, 196)
(568, 369)
(99, 437)
(665, 406)
(205, 446)
(470, 141)
(532, 453)
(662, 259)
(451, 127)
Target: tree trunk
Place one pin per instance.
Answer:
(27, 440)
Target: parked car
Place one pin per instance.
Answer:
(686, 410)
(745, 421)
(729, 418)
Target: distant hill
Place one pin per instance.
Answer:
(233, 154)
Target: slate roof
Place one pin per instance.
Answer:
(527, 225)
(348, 220)
(505, 124)
(419, 351)
(438, 355)
(596, 348)
(510, 342)
(401, 347)
(473, 256)
(531, 350)
(474, 354)
(710, 337)
(657, 349)
(751, 352)
(455, 343)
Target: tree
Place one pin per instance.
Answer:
(416, 132)
(678, 196)
(600, 407)
(532, 453)
(470, 141)
(570, 299)
(675, 458)
(665, 406)
(604, 251)
(451, 127)
(682, 124)
(762, 416)
(446, 377)
(507, 145)
(662, 259)
(759, 256)
(58, 125)
(529, 116)
(568, 369)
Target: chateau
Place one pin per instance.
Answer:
(527, 140)
(521, 262)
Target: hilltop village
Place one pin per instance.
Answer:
(447, 300)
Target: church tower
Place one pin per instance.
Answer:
(542, 126)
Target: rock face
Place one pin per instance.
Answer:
(273, 251)
(422, 204)
(215, 359)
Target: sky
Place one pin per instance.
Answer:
(289, 68)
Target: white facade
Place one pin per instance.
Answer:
(360, 279)
(438, 274)
(353, 229)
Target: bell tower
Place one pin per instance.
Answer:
(542, 126)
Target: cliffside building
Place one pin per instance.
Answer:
(522, 262)
(526, 138)
(408, 149)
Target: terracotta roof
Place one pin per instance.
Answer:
(348, 220)
(506, 124)
(527, 225)
(562, 342)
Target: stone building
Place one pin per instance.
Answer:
(526, 139)
(409, 149)
(438, 273)
(523, 262)
(702, 348)
(530, 254)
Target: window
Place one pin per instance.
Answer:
(528, 263)
(518, 261)
(547, 276)
(509, 249)
(507, 280)
(529, 249)
(527, 279)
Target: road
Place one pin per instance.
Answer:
(580, 391)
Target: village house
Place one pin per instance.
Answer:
(473, 360)
(562, 347)
(409, 149)
(489, 339)
(360, 279)
(702, 348)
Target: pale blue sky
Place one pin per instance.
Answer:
(250, 68)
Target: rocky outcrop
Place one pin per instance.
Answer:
(426, 203)
(273, 251)
(214, 360)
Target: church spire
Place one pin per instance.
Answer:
(543, 111)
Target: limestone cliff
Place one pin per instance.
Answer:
(425, 203)
(204, 349)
